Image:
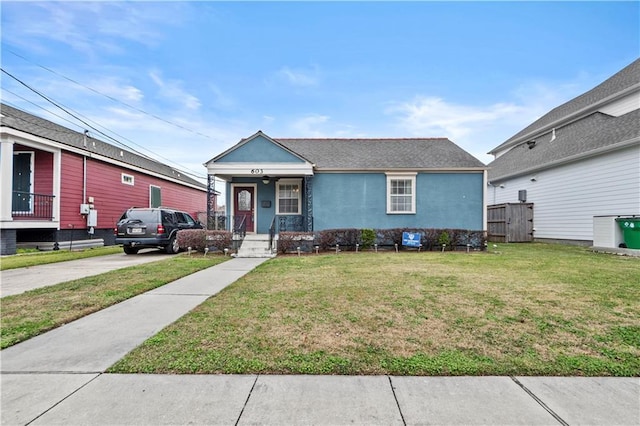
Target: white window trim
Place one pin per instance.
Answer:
(124, 178)
(403, 176)
(289, 182)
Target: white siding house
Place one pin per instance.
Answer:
(579, 161)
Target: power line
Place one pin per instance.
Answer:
(110, 97)
(40, 107)
(66, 110)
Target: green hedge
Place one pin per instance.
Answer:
(199, 239)
(347, 238)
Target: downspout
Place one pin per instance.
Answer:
(84, 169)
(84, 178)
(484, 200)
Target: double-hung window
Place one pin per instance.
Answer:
(401, 193)
(288, 196)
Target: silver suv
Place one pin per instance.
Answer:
(152, 227)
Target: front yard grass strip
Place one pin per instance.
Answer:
(519, 309)
(28, 314)
(40, 258)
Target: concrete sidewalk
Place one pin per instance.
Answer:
(58, 378)
(113, 399)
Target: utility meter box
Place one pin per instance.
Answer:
(84, 209)
(92, 218)
(606, 232)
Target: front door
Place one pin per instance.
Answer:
(243, 207)
(21, 182)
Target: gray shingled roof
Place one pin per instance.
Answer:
(366, 154)
(624, 79)
(577, 140)
(28, 123)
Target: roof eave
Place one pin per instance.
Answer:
(603, 150)
(399, 169)
(566, 120)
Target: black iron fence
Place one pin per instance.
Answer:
(27, 205)
(217, 221)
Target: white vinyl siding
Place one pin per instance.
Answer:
(566, 198)
(622, 106)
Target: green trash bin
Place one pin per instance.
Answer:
(630, 231)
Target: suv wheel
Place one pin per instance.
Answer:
(130, 250)
(172, 247)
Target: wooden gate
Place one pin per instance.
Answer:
(510, 223)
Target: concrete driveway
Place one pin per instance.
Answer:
(16, 281)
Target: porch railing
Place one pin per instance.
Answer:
(217, 221)
(27, 205)
(240, 226)
(272, 232)
(290, 223)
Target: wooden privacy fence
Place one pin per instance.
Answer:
(510, 223)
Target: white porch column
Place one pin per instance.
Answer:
(6, 180)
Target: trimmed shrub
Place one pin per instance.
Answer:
(346, 238)
(432, 238)
(198, 239)
(444, 240)
(367, 238)
(389, 237)
(289, 241)
(219, 240)
(194, 238)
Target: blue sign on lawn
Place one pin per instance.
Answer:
(411, 239)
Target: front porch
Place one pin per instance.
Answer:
(268, 188)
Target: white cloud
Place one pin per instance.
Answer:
(221, 99)
(172, 90)
(93, 28)
(319, 126)
(480, 128)
(434, 116)
(309, 126)
(268, 119)
(116, 89)
(299, 77)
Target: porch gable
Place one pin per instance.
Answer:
(257, 156)
(258, 146)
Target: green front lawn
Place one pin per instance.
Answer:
(521, 309)
(23, 260)
(28, 314)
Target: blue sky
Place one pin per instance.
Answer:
(183, 81)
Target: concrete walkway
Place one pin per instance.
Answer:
(58, 378)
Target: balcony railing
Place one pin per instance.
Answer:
(32, 206)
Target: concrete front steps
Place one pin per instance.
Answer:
(255, 245)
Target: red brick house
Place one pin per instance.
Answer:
(59, 185)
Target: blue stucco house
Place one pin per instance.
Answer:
(318, 184)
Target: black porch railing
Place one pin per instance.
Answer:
(217, 221)
(272, 233)
(27, 205)
(290, 223)
(240, 225)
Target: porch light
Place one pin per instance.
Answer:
(265, 180)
